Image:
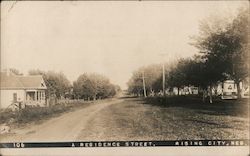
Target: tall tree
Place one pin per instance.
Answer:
(177, 75)
(224, 48)
(56, 82)
(135, 84)
(238, 56)
(84, 88)
(93, 86)
(151, 73)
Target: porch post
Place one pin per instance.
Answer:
(37, 95)
(40, 96)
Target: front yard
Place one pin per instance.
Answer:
(175, 118)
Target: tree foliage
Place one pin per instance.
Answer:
(93, 86)
(56, 82)
(225, 50)
(152, 74)
(223, 54)
(15, 71)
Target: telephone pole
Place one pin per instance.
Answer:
(163, 55)
(144, 87)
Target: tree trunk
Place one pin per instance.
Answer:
(203, 96)
(210, 94)
(238, 90)
(178, 91)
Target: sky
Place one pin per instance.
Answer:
(110, 38)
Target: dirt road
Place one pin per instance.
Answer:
(63, 128)
(135, 119)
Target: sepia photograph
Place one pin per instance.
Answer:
(89, 75)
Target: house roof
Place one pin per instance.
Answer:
(12, 81)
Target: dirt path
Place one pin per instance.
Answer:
(63, 128)
(135, 119)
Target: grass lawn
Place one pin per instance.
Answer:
(174, 118)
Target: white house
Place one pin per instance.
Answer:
(28, 90)
(186, 90)
(228, 89)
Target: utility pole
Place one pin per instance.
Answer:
(163, 80)
(144, 87)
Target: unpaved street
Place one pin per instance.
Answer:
(63, 128)
(129, 118)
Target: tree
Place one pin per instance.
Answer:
(238, 58)
(199, 73)
(177, 75)
(15, 71)
(93, 86)
(135, 85)
(57, 83)
(224, 49)
(152, 74)
(84, 88)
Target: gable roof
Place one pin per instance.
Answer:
(12, 81)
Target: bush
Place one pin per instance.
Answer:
(6, 115)
(191, 99)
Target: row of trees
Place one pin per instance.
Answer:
(93, 86)
(224, 54)
(152, 75)
(87, 86)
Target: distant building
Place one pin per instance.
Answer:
(15, 89)
(228, 89)
(186, 90)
